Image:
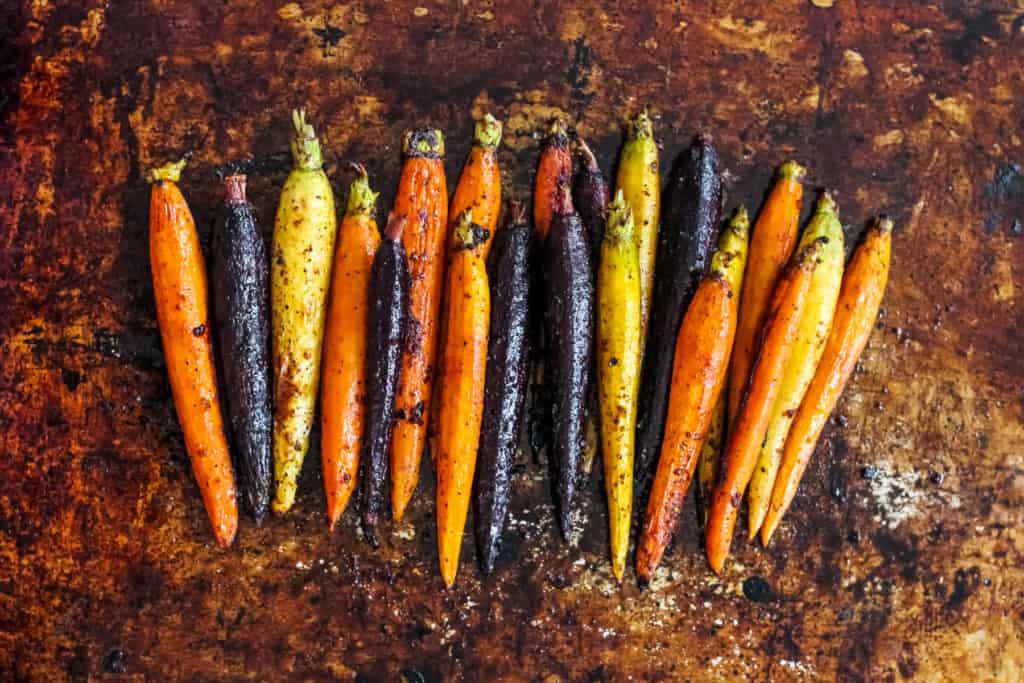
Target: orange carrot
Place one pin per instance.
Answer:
(179, 285)
(344, 365)
(859, 300)
(755, 409)
(701, 359)
(462, 388)
(422, 199)
(554, 169)
(771, 245)
(479, 186)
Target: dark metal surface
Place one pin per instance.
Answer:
(901, 557)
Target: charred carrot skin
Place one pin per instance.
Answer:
(569, 324)
(859, 300)
(698, 376)
(618, 371)
(343, 392)
(508, 352)
(387, 316)
(241, 315)
(771, 245)
(479, 186)
(300, 276)
(422, 199)
(745, 440)
(462, 388)
(638, 178)
(808, 346)
(554, 169)
(711, 450)
(689, 226)
(590, 196)
(180, 289)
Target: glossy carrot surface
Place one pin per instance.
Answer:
(180, 288)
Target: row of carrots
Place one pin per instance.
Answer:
(671, 347)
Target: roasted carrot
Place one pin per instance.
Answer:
(711, 449)
(859, 299)
(241, 316)
(180, 289)
(461, 387)
(809, 343)
(590, 196)
(771, 245)
(479, 186)
(554, 168)
(639, 181)
(698, 377)
(569, 324)
(422, 199)
(691, 212)
(618, 369)
(508, 353)
(303, 247)
(479, 189)
(386, 318)
(744, 442)
(343, 397)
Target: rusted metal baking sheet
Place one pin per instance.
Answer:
(901, 558)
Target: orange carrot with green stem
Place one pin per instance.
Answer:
(859, 299)
(744, 444)
(343, 394)
(771, 245)
(698, 377)
(479, 186)
(180, 289)
(461, 388)
(422, 200)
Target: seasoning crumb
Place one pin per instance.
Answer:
(420, 11)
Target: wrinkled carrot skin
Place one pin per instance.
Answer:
(343, 397)
(771, 245)
(859, 300)
(554, 169)
(422, 199)
(744, 443)
(461, 389)
(180, 289)
(479, 186)
(698, 377)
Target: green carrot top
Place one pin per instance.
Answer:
(305, 147)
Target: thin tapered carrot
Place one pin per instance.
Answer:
(180, 289)
(343, 395)
(554, 169)
(859, 300)
(422, 199)
(461, 388)
(744, 442)
(698, 377)
(771, 245)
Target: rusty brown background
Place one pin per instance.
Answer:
(901, 558)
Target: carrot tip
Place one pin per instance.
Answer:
(423, 142)
(234, 188)
(394, 228)
(517, 210)
(589, 160)
(640, 127)
(883, 224)
(361, 197)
